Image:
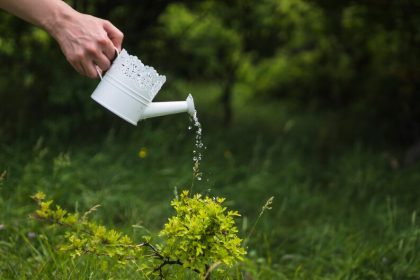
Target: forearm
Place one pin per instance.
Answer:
(46, 14)
(86, 41)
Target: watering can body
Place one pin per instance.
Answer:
(128, 88)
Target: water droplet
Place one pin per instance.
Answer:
(197, 156)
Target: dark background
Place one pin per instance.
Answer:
(356, 59)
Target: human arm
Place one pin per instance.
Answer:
(85, 40)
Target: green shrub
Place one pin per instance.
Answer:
(201, 237)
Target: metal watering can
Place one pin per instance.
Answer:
(128, 88)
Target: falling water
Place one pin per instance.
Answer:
(198, 147)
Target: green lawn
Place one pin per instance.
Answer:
(342, 209)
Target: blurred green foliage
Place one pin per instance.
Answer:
(357, 58)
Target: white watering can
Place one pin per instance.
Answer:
(128, 88)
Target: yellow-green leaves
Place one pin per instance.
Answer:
(84, 236)
(200, 237)
(39, 196)
(57, 216)
(202, 233)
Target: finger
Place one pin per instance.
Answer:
(109, 50)
(82, 70)
(104, 45)
(90, 70)
(78, 68)
(102, 61)
(76, 65)
(114, 34)
(82, 64)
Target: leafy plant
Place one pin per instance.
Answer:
(200, 237)
(202, 233)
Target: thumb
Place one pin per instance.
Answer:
(114, 34)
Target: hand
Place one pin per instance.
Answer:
(87, 42)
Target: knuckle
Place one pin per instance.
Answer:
(104, 64)
(90, 49)
(103, 40)
(75, 57)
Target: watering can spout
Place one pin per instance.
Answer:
(157, 109)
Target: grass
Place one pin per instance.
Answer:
(342, 209)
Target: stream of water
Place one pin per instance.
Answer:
(198, 147)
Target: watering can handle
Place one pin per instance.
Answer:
(99, 70)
